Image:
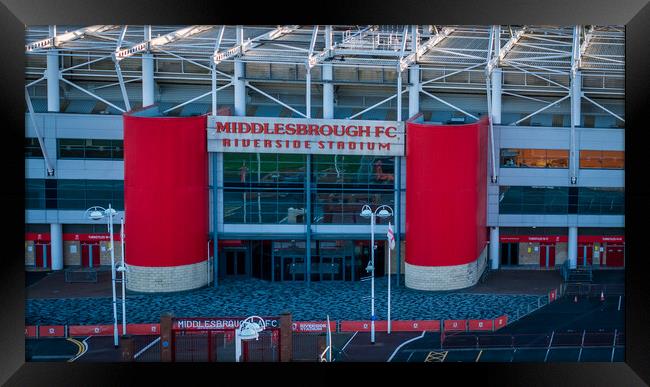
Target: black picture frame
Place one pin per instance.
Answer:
(16, 14)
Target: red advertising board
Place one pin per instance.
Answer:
(93, 330)
(455, 325)
(363, 326)
(51, 331)
(500, 322)
(31, 331)
(143, 329)
(312, 326)
(480, 325)
(415, 326)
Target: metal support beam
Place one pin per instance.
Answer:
(151, 44)
(56, 40)
(449, 104)
(420, 50)
(215, 220)
(56, 243)
(39, 135)
(576, 94)
(242, 46)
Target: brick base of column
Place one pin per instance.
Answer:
(166, 279)
(437, 278)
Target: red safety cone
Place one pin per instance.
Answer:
(575, 298)
(602, 296)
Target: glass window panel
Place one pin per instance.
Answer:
(613, 159)
(71, 148)
(533, 158)
(557, 158)
(591, 159)
(33, 148)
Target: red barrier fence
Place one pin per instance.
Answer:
(312, 326)
(415, 326)
(500, 322)
(480, 325)
(31, 331)
(455, 325)
(51, 331)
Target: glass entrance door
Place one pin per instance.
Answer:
(293, 268)
(236, 262)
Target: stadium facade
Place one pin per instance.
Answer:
(242, 151)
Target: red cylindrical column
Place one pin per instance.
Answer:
(166, 202)
(446, 176)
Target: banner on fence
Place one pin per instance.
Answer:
(312, 326)
(455, 325)
(415, 326)
(500, 322)
(480, 325)
(93, 330)
(143, 329)
(363, 326)
(31, 331)
(51, 331)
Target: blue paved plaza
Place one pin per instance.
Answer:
(342, 301)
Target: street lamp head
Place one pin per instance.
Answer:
(111, 212)
(96, 215)
(384, 213)
(366, 212)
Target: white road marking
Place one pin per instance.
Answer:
(403, 344)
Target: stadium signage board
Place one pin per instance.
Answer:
(192, 324)
(307, 136)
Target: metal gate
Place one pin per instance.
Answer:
(218, 345)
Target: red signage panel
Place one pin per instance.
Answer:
(93, 330)
(31, 331)
(559, 238)
(51, 331)
(500, 322)
(312, 326)
(415, 326)
(480, 325)
(143, 329)
(455, 325)
(552, 295)
(363, 326)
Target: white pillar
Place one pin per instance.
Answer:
(147, 80)
(414, 90)
(494, 247)
(147, 73)
(56, 244)
(576, 91)
(240, 89)
(53, 97)
(497, 74)
(573, 247)
(328, 91)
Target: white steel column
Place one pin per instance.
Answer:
(494, 248)
(240, 89)
(576, 91)
(53, 97)
(573, 247)
(328, 77)
(414, 77)
(56, 244)
(495, 82)
(147, 72)
(414, 90)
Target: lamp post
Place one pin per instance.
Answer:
(382, 211)
(248, 330)
(122, 269)
(98, 213)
